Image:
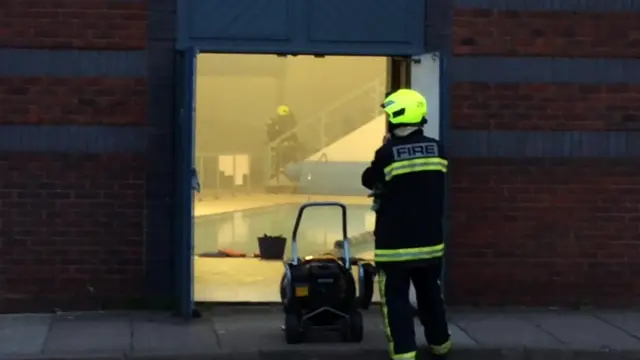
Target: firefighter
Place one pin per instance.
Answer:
(283, 139)
(406, 178)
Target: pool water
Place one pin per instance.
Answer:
(239, 230)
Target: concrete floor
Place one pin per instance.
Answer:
(238, 280)
(248, 279)
(254, 334)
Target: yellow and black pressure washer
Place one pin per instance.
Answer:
(320, 292)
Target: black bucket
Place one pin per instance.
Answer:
(272, 247)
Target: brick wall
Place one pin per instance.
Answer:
(545, 106)
(64, 100)
(515, 33)
(72, 225)
(545, 232)
(536, 231)
(70, 230)
(64, 24)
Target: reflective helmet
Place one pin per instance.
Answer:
(405, 107)
(283, 110)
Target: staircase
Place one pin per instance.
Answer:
(332, 124)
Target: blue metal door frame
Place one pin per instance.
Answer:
(445, 139)
(311, 27)
(185, 148)
(185, 152)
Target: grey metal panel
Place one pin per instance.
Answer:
(302, 27)
(352, 21)
(242, 26)
(491, 69)
(38, 62)
(545, 144)
(73, 138)
(238, 19)
(554, 5)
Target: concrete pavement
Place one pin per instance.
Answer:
(254, 333)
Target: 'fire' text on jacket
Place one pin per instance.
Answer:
(415, 151)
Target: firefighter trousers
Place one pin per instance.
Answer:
(395, 280)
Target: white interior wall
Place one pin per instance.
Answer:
(357, 146)
(348, 157)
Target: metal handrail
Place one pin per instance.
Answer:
(323, 116)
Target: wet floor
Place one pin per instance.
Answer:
(239, 230)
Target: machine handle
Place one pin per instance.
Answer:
(296, 227)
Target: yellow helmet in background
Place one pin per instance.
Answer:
(283, 110)
(406, 107)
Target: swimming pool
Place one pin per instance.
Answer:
(239, 230)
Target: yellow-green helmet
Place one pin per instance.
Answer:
(283, 110)
(405, 107)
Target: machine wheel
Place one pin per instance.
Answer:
(352, 329)
(292, 329)
(283, 290)
(345, 330)
(356, 327)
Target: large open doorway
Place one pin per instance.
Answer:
(272, 133)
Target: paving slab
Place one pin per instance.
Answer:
(460, 338)
(505, 330)
(90, 333)
(266, 333)
(162, 334)
(625, 321)
(583, 330)
(23, 334)
(255, 334)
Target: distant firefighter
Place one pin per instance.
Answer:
(283, 139)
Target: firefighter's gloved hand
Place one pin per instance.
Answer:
(377, 190)
(376, 200)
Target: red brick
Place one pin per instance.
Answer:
(542, 233)
(568, 34)
(545, 106)
(71, 230)
(108, 101)
(73, 24)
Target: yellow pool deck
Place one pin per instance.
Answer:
(248, 279)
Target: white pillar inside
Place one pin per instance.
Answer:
(425, 78)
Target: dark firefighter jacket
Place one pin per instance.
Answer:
(407, 174)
